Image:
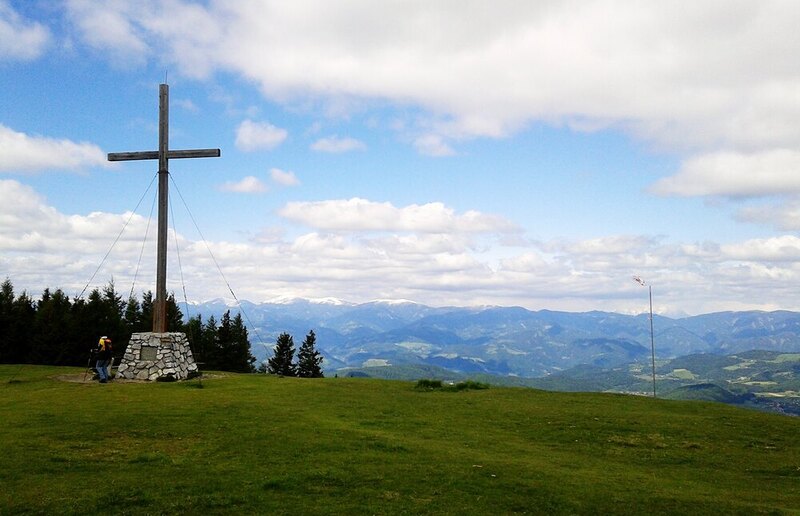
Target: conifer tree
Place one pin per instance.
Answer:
(48, 345)
(242, 359)
(233, 345)
(132, 318)
(281, 361)
(210, 343)
(194, 333)
(7, 343)
(23, 314)
(147, 311)
(59, 331)
(309, 359)
(174, 314)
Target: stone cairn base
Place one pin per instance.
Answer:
(158, 357)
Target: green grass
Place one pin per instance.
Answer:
(249, 444)
(787, 357)
(683, 374)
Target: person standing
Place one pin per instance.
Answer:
(104, 353)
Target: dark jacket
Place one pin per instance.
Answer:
(104, 350)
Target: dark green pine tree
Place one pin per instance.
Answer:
(194, 332)
(7, 340)
(132, 318)
(234, 345)
(23, 316)
(209, 343)
(147, 312)
(309, 359)
(281, 361)
(17, 315)
(240, 344)
(174, 314)
(50, 324)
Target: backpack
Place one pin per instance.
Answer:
(104, 348)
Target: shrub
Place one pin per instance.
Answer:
(470, 385)
(428, 385)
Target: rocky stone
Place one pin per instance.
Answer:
(172, 361)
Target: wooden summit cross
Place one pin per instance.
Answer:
(163, 155)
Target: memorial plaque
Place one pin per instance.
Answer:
(148, 353)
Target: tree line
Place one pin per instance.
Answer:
(309, 360)
(57, 330)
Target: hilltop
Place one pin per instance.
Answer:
(261, 444)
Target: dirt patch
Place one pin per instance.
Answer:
(87, 378)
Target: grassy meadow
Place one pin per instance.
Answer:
(258, 444)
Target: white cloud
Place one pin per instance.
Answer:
(252, 136)
(20, 39)
(418, 260)
(785, 248)
(283, 177)
(113, 26)
(710, 75)
(610, 245)
(783, 216)
(22, 153)
(249, 184)
(363, 215)
(771, 172)
(186, 104)
(512, 62)
(28, 224)
(334, 144)
(433, 145)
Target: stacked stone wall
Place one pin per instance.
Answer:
(158, 356)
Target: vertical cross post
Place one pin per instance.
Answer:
(163, 154)
(160, 307)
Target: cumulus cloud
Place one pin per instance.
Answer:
(714, 83)
(419, 260)
(20, 39)
(22, 153)
(29, 224)
(252, 136)
(492, 69)
(283, 177)
(735, 174)
(608, 245)
(784, 216)
(433, 145)
(363, 215)
(249, 184)
(334, 144)
(785, 248)
(112, 26)
(187, 105)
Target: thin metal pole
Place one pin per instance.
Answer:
(160, 307)
(652, 340)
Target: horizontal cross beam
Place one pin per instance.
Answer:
(173, 154)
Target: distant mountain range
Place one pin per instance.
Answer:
(763, 380)
(504, 341)
(749, 359)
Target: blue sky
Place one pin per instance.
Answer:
(537, 154)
